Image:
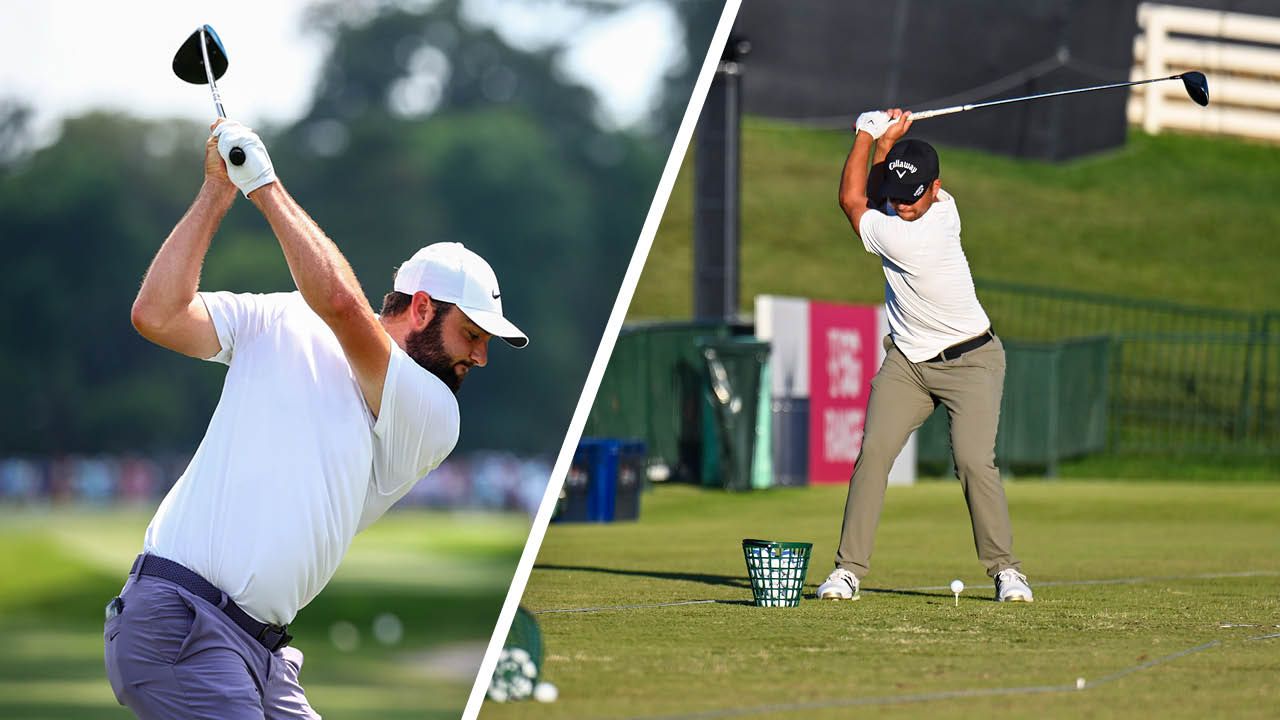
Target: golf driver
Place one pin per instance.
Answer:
(1195, 83)
(202, 59)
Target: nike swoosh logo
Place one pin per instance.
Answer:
(496, 294)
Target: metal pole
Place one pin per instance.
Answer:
(717, 152)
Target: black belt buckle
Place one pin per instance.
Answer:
(963, 347)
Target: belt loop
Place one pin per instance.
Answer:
(223, 599)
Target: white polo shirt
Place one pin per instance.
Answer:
(928, 292)
(293, 464)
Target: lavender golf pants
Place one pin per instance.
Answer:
(171, 654)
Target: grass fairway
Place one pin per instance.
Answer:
(443, 575)
(1121, 578)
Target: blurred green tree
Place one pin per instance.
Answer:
(427, 126)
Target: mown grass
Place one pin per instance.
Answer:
(1169, 217)
(905, 638)
(443, 575)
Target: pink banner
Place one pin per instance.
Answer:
(842, 361)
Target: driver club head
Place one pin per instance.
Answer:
(188, 63)
(1195, 83)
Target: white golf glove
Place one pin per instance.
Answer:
(873, 123)
(256, 170)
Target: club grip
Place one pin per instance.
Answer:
(237, 156)
(923, 115)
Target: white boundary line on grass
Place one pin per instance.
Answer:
(929, 697)
(1051, 583)
(607, 340)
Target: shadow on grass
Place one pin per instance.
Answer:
(733, 581)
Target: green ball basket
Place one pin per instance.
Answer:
(520, 663)
(526, 634)
(777, 571)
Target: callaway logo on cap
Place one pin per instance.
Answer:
(448, 271)
(912, 166)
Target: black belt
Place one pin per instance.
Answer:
(272, 637)
(961, 348)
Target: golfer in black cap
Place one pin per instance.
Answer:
(940, 349)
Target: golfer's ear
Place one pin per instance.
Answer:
(422, 308)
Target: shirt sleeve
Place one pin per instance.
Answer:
(416, 429)
(885, 236)
(237, 317)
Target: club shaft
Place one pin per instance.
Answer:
(962, 108)
(208, 73)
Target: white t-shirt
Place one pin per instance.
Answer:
(928, 291)
(293, 463)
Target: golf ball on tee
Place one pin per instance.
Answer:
(957, 586)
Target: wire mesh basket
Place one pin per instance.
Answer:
(777, 571)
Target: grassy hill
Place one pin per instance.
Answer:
(1183, 218)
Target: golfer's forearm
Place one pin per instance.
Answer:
(322, 274)
(883, 146)
(173, 279)
(853, 181)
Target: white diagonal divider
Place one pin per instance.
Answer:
(607, 341)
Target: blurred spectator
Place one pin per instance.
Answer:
(139, 480)
(93, 480)
(21, 480)
(493, 481)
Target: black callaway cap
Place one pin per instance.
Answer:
(910, 167)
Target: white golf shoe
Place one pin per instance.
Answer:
(840, 585)
(1012, 586)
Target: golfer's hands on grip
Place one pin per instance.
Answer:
(256, 170)
(899, 124)
(873, 123)
(881, 123)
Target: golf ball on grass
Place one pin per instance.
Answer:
(545, 692)
(957, 586)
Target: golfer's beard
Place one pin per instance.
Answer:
(426, 347)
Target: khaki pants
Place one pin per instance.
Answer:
(903, 394)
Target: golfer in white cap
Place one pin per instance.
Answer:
(329, 415)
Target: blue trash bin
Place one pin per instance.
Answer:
(602, 462)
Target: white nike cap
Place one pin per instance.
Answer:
(448, 271)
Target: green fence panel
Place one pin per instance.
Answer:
(1183, 379)
(620, 409)
(1084, 387)
(1029, 422)
(652, 389)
